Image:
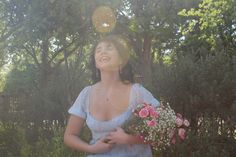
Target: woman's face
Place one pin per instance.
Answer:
(107, 57)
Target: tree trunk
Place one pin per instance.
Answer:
(69, 80)
(146, 60)
(45, 67)
(142, 48)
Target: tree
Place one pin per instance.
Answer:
(152, 27)
(45, 31)
(214, 21)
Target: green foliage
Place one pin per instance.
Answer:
(3, 73)
(152, 29)
(34, 104)
(53, 147)
(203, 90)
(15, 142)
(22, 79)
(213, 20)
(194, 86)
(207, 141)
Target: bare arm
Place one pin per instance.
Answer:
(72, 139)
(72, 133)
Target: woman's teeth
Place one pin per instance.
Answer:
(104, 59)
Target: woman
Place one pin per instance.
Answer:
(107, 104)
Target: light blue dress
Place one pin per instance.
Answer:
(138, 94)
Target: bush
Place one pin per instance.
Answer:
(203, 90)
(207, 141)
(17, 141)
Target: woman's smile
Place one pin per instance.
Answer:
(104, 59)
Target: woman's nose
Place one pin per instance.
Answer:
(103, 51)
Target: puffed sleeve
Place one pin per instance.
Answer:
(79, 107)
(145, 96)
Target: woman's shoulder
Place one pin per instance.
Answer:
(85, 91)
(138, 86)
(86, 88)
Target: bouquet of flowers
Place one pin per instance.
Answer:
(157, 126)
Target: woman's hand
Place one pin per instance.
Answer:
(101, 146)
(117, 137)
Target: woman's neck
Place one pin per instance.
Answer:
(110, 79)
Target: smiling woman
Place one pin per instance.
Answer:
(122, 51)
(107, 104)
(107, 57)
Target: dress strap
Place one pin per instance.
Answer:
(137, 95)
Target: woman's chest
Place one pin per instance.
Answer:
(102, 127)
(105, 106)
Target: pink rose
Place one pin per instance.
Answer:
(179, 115)
(154, 114)
(143, 113)
(173, 141)
(179, 121)
(152, 111)
(182, 133)
(151, 123)
(186, 123)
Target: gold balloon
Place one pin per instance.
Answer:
(104, 19)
